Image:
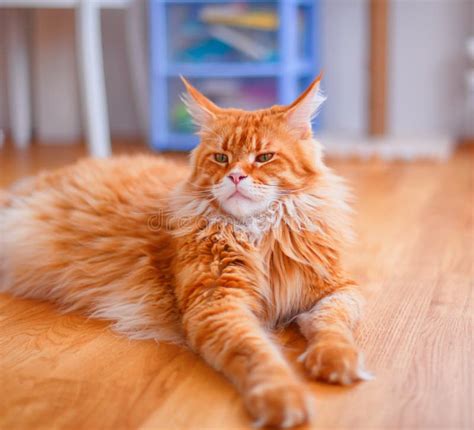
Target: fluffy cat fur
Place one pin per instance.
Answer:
(212, 256)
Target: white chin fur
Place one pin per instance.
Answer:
(258, 201)
(241, 207)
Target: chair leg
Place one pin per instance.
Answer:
(18, 77)
(92, 78)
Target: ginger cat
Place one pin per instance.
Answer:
(246, 239)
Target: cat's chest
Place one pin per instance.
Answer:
(291, 286)
(291, 264)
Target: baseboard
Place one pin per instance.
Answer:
(389, 148)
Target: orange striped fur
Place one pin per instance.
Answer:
(212, 256)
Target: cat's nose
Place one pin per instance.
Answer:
(236, 177)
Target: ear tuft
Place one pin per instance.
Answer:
(201, 109)
(302, 111)
(199, 115)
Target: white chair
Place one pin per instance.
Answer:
(90, 61)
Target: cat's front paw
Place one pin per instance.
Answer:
(280, 405)
(336, 363)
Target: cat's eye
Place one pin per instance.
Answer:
(221, 158)
(263, 158)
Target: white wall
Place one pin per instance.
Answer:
(427, 58)
(345, 35)
(123, 115)
(57, 114)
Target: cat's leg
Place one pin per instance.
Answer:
(228, 335)
(332, 354)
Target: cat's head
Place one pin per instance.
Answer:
(246, 160)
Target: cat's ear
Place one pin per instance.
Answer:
(201, 109)
(300, 113)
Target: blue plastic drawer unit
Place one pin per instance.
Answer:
(248, 54)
